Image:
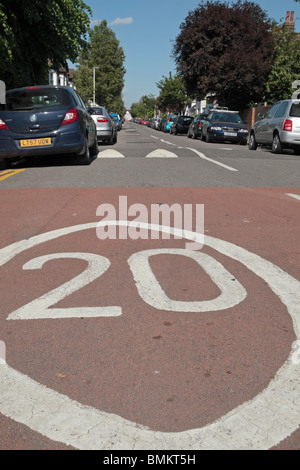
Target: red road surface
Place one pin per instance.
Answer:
(169, 371)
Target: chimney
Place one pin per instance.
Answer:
(289, 22)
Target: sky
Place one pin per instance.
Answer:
(147, 29)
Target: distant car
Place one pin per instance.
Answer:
(161, 124)
(224, 126)
(116, 118)
(278, 128)
(105, 125)
(195, 128)
(144, 122)
(168, 123)
(45, 120)
(180, 125)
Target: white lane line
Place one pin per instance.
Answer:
(296, 196)
(201, 155)
(257, 424)
(166, 142)
(161, 153)
(110, 153)
(154, 137)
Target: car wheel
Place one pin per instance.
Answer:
(188, 134)
(94, 148)
(252, 145)
(85, 157)
(276, 144)
(113, 139)
(208, 138)
(297, 151)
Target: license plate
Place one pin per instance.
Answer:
(35, 142)
(230, 134)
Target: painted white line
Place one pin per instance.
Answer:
(161, 153)
(110, 153)
(201, 155)
(166, 142)
(296, 196)
(258, 424)
(154, 137)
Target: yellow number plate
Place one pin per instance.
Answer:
(35, 142)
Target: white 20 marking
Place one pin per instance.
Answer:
(147, 285)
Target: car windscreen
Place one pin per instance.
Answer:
(186, 119)
(98, 111)
(295, 110)
(226, 117)
(35, 98)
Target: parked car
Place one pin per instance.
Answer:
(168, 124)
(195, 128)
(224, 126)
(45, 120)
(180, 125)
(116, 118)
(161, 124)
(144, 122)
(106, 127)
(278, 128)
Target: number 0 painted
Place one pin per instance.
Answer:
(232, 292)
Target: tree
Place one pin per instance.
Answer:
(172, 93)
(226, 51)
(285, 65)
(104, 52)
(144, 107)
(32, 33)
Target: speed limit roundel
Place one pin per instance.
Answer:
(253, 425)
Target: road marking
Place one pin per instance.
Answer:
(166, 142)
(110, 153)
(201, 155)
(152, 293)
(161, 153)
(258, 424)
(8, 173)
(296, 196)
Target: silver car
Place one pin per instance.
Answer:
(105, 126)
(278, 128)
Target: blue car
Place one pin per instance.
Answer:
(45, 120)
(115, 117)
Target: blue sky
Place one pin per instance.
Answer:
(146, 30)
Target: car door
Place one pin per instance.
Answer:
(263, 128)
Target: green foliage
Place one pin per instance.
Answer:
(145, 107)
(32, 33)
(172, 93)
(103, 51)
(225, 50)
(285, 67)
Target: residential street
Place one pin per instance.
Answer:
(135, 341)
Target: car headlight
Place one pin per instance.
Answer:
(244, 130)
(216, 128)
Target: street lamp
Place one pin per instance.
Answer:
(94, 85)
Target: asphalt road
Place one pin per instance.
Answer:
(125, 336)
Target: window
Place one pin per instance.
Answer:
(36, 98)
(272, 111)
(281, 110)
(295, 109)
